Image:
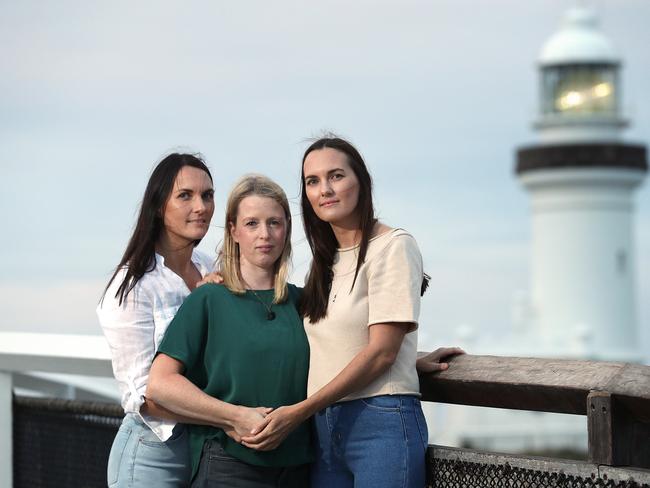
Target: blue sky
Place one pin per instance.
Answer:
(437, 96)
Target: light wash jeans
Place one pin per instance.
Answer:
(139, 459)
(377, 442)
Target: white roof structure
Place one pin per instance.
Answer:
(579, 40)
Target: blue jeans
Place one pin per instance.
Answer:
(219, 469)
(371, 442)
(139, 459)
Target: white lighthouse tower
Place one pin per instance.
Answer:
(581, 179)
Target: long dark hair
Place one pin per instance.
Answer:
(139, 257)
(320, 235)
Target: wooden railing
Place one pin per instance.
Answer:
(614, 397)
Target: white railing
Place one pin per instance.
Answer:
(25, 353)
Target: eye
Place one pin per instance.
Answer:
(251, 223)
(208, 196)
(275, 222)
(311, 181)
(337, 176)
(184, 195)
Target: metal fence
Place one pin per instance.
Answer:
(62, 443)
(464, 468)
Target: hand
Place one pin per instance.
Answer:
(432, 361)
(276, 427)
(248, 420)
(214, 277)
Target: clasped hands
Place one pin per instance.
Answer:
(264, 429)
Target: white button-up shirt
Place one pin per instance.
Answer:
(135, 328)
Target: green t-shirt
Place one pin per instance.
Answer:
(233, 352)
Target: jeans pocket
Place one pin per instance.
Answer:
(149, 439)
(218, 453)
(383, 403)
(116, 455)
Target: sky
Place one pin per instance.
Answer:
(437, 95)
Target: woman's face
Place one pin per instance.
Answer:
(260, 230)
(189, 208)
(332, 187)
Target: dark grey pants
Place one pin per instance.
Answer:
(219, 469)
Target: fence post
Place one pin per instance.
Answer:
(6, 430)
(616, 436)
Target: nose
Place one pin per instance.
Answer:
(199, 204)
(325, 188)
(264, 231)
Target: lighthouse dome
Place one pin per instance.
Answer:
(579, 40)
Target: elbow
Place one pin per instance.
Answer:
(385, 359)
(153, 388)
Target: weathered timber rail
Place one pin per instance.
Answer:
(43, 438)
(614, 397)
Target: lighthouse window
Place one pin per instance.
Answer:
(579, 89)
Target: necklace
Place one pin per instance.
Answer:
(342, 278)
(270, 314)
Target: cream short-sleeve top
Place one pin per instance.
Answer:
(387, 289)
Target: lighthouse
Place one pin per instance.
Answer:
(581, 178)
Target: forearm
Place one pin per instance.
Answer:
(370, 363)
(153, 409)
(176, 394)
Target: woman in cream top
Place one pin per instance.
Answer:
(387, 290)
(360, 308)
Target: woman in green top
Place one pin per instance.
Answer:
(240, 344)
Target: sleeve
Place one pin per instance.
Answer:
(130, 333)
(394, 280)
(185, 337)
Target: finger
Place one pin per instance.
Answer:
(261, 426)
(434, 367)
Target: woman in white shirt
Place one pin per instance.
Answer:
(360, 306)
(157, 271)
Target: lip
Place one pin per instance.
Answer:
(264, 249)
(198, 221)
(328, 203)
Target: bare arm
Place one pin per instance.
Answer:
(173, 392)
(374, 359)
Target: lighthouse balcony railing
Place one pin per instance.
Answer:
(614, 398)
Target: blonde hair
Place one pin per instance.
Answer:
(229, 263)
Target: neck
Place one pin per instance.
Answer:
(178, 256)
(256, 278)
(347, 232)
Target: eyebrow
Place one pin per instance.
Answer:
(329, 172)
(189, 190)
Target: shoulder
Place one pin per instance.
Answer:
(141, 290)
(393, 240)
(295, 292)
(208, 291)
(204, 261)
